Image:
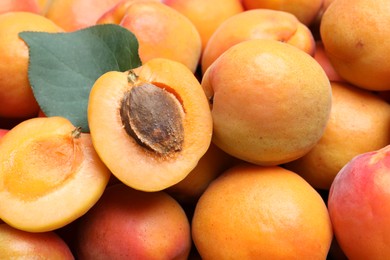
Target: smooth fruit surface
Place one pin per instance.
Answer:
(355, 41)
(270, 101)
(161, 31)
(359, 123)
(50, 174)
(127, 223)
(305, 10)
(359, 206)
(72, 15)
(206, 15)
(163, 136)
(18, 244)
(16, 96)
(255, 212)
(257, 24)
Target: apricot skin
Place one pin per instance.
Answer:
(270, 101)
(359, 206)
(134, 224)
(18, 244)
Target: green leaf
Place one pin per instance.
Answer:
(64, 66)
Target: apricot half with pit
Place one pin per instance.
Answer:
(150, 125)
(50, 174)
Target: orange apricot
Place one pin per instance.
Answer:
(256, 212)
(161, 31)
(321, 57)
(19, 6)
(356, 41)
(359, 122)
(206, 15)
(16, 96)
(50, 174)
(72, 15)
(270, 101)
(19, 244)
(305, 10)
(257, 24)
(150, 125)
(209, 167)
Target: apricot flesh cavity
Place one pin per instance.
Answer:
(150, 153)
(50, 174)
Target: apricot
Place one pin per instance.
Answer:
(73, 15)
(19, 244)
(206, 15)
(19, 5)
(359, 122)
(210, 166)
(257, 24)
(16, 96)
(257, 212)
(132, 224)
(321, 57)
(150, 125)
(356, 41)
(161, 31)
(305, 10)
(270, 101)
(359, 206)
(50, 174)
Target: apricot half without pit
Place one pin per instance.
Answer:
(50, 174)
(150, 125)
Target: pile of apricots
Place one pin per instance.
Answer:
(253, 129)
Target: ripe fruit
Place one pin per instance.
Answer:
(359, 206)
(206, 15)
(161, 31)
(256, 212)
(72, 15)
(18, 244)
(50, 174)
(151, 125)
(257, 24)
(16, 96)
(131, 224)
(305, 10)
(359, 122)
(356, 41)
(270, 101)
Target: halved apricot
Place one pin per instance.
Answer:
(50, 174)
(150, 125)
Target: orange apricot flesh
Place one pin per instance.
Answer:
(143, 157)
(50, 174)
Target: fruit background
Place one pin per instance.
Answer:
(194, 129)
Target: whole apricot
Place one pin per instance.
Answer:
(356, 41)
(161, 31)
(19, 6)
(16, 96)
(257, 212)
(305, 10)
(73, 15)
(359, 122)
(19, 244)
(150, 125)
(206, 15)
(270, 101)
(131, 224)
(359, 206)
(257, 24)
